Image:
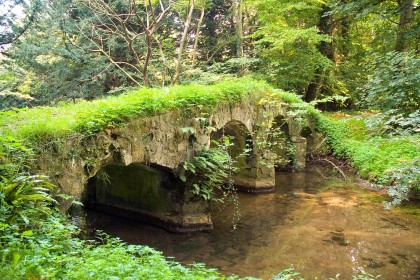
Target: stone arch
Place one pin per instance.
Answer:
(251, 176)
(149, 193)
(135, 187)
(242, 146)
(314, 139)
(283, 147)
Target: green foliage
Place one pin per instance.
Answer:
(287, 42)
(392, 123)
(15, 18)
(53, 251)
(287, 274)
(14, 100)
(404, 179)
(386, 161)
(395, 83)
(207, 172)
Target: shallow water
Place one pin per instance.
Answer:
(315, 222)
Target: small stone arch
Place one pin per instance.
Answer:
(251, 175)
(314, 139)
(242, 148)
(132, 187)
(283, 146)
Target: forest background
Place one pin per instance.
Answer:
(355, 54)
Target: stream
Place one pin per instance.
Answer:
(315, 222)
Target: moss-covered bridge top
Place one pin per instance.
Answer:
(43, 124)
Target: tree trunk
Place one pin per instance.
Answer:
(326, 49)
(147, 60)
(197, 34)
(239, 30)
(182, 43)
(406, 8)
(238, 19)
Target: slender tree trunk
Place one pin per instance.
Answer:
(147, 60)
(406, 8)
(326, 49)
(182, 43)
(239, 30)
(197, 35)
(238, 19)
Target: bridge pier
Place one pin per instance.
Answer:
(300, 145)
(259, 178)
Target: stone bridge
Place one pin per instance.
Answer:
(134, 170)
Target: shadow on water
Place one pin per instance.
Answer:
(315, 222)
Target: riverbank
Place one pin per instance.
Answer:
(390, 162)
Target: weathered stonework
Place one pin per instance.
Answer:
(159, 142)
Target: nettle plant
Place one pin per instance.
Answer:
(209, 175)
(404, 181)
(211, 170)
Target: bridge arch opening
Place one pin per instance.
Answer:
(147, 193)
(282, 143)
(241, 147)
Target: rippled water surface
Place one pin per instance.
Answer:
(315, 222)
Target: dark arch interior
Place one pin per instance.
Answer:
(241, 141)
(283, 147)
(306, 132)
(130, 190)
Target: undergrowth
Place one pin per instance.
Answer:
(387, 161)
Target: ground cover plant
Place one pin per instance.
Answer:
(387, 161)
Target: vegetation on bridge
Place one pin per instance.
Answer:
(44, 124)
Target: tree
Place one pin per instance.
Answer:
(130, 26)
(407, 15)
(287, 40)
(16, 16)
(187, 22)
(197, 33)
(401, 14)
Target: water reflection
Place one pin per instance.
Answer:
(310, 223)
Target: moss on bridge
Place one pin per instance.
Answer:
(41, 124)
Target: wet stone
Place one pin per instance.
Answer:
(372, 263)
(339, 238)
(393, 260)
